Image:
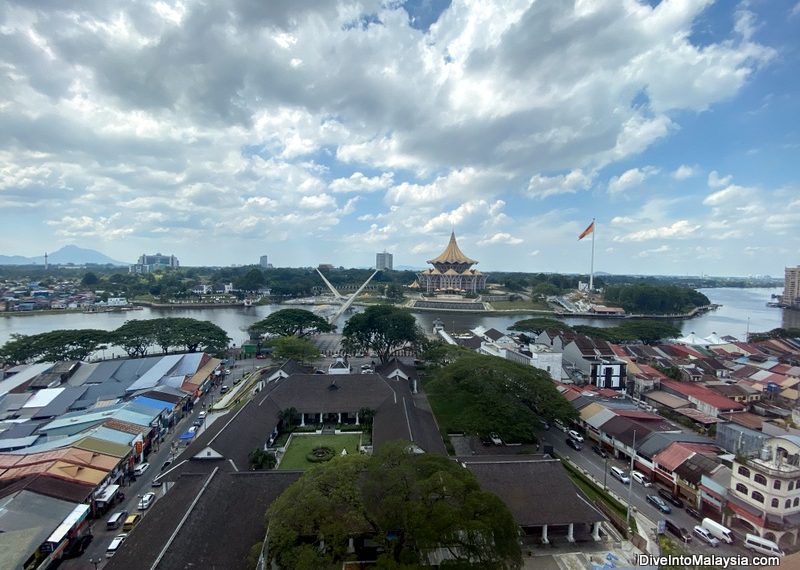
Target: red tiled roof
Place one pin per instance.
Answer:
(745, 419)
(703, 394)
(672, 456)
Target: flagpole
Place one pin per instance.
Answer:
(591, 267)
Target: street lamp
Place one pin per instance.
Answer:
(630, 482)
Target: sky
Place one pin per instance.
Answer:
(325, 131)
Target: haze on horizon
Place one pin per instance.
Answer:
(327, 132)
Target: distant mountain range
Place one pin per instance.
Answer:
(67, 254)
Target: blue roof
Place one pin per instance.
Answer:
(152, 403)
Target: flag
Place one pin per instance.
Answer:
(587, 231)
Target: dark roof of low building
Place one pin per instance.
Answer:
(494, 334)
(536, 491)
(50, 486)
(625, 429)
(695, 467)
(314, 393)
(728, 390)
(397, 364)
(473, 342)
(222, 527)
(657, 441)
(293, 367)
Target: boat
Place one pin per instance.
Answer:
(248, 302)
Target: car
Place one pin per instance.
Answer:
(358, 355)
(640, 478)
(678, 531)
(261, 356)
(141, 468)
(575, 435)
(197, 423)
(703, 534)
(545, 424)
(318, 371)
(156, 483)
(574, 444)
(599, 451)
(131, 522)
(166, 464)
(671, 498)
(227, 372)
(224, 389)
(202, 415)
(193, 429)
(146, 500)
(116, 542)
(659, 503)
(495, 439)
(694, 513)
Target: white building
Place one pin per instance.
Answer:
(764, 495)
(384, 261)
(264, 262)
(117, 302)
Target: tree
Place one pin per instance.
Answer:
(253, 280)
(90, 279)
(261, 460)
(53, 346)
(291, 322)
(200, 335)
(409, 504)
(288, 417)
(134, 337)
(394, 292)
(383, 329)
(293, 348)
(480, 394)
(539, 324)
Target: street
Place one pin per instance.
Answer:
(596, 467)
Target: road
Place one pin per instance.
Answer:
(598, 467)
(134, 490)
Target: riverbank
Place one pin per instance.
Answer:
(67, 311)
(154, 305)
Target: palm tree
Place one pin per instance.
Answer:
(288, 416)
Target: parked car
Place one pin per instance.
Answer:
(141, 468)
(115, 544)
(620, 475)
(640, 478)
(599, 451)
(671, 498)
(227, 372)
(659, 503)
(678, 531)
(166, 464)
(574, 444)
(197, 423)
(224, 389)
(146, 500)
(694, 513)
(202, 415)
(575, 435)
(705, 536)
(495, 439)
(544, 423)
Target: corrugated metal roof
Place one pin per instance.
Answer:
(104, 446)
(597, 420)
(23, 376)
(156, 373)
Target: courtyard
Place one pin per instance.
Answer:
(301, 445)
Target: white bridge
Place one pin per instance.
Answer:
(345, 301)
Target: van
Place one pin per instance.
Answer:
(640, 478)
(721, 532)
(115, 521)
(705, 536)
(762, 545)
(115, 544)
(618, 473)
(131, 522)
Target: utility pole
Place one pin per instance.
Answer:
(630, 482)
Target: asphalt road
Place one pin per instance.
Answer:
(598, 468)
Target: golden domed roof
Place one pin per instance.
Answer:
(452, 254)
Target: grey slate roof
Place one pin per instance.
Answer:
(536, 491)
(314, 393)
(657, 441)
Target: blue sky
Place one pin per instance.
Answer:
(327, 133)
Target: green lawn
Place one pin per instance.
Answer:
(301, 445)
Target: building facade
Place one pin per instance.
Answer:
(764, 495)
(264, 262)
(384, 261)
(791, 286)
(149, 263)
(452, 272)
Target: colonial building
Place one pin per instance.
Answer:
(451, 272)
(765, 491)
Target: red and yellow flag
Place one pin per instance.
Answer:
(587, 231)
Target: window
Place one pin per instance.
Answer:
(744, 471)
(757, 496)
(787, 504)
(776, 484)
(791, 485)
(796, 502)
(760, 479)
(775, 503)
(741, 488)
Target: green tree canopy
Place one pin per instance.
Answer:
(291, 322)
(383, 329)
(53, 346)
(539, 324)
(409, 504)
(480, 394)
(294, 348)
(647, 298)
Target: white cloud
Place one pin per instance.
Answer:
(732, 193)
(622, 220)
(543, 186)
(717, 181)
(317, 202)
(685, 171)
(357, 182)
(630, 178)
(679, 229)
(655, 251)
(795, 10)
(501, 238)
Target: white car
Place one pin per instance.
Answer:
(575, 435)
(115, 544)
(640, 478)
(141, 468)
(146, 500)
(703, 534)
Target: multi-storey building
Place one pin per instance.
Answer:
(791, 286)
(452, 272)
(384, 261)
(149, 263)
(764, 495)
(264, 262)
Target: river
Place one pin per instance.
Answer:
(742, 310)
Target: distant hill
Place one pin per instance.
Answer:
(67, 254)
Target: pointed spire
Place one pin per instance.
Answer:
(452, 253)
